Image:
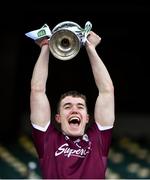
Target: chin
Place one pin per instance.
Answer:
(75, 134)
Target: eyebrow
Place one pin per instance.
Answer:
(80, 104)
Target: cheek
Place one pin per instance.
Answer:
(64, 116)
(84, 115)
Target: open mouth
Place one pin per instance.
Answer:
(74, 121)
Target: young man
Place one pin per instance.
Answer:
(72, 153)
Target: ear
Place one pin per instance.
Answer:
(87, 118)
(57, 118)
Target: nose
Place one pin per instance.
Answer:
(74, 110)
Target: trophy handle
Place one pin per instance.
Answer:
(87, 29)
(44, 31)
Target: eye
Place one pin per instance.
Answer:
(66, 107)
(81, 107)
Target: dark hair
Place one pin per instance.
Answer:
(72, 93)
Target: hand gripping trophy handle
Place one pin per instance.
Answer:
(65, 39)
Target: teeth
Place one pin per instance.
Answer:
(74, 118)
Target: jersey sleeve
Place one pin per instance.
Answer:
(106, 137)
(40, 137)
(102, 137)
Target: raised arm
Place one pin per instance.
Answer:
(104, 107)
(39, 104)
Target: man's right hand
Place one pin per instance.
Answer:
(42, 41)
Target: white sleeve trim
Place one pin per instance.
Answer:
(41, 128)
(102, 128)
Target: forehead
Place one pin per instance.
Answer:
(73, 100)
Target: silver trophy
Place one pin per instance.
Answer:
(65, 39)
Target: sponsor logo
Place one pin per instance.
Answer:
(67, 151)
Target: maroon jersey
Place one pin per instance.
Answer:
(63, 157)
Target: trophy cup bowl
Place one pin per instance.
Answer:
(65, 42)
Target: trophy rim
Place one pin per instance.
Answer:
(63, 24)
